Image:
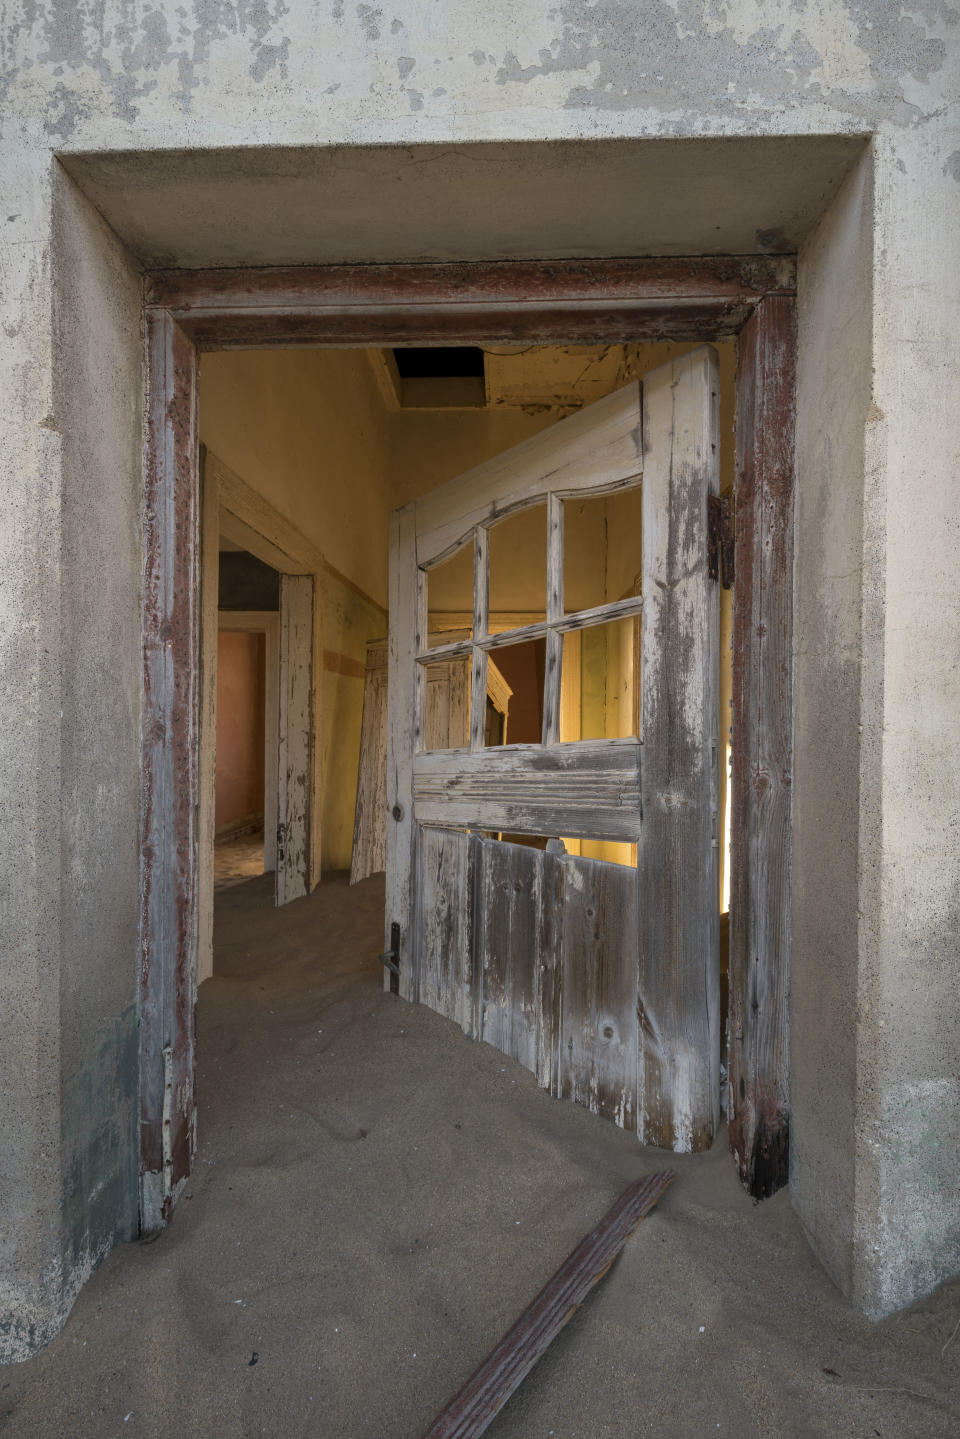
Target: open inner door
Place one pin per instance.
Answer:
(601, 977)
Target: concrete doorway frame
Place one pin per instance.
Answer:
(531, 302)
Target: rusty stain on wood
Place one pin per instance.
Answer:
(560, 301)
(762, 749)
(487, 1390)
(169, 758)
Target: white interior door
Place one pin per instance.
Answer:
(295, 746)
(601, 977)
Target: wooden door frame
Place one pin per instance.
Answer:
(531, 302)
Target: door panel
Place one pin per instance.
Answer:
(598, 1030)
(679, 983)
(295, 746)
(445, 922)
(510, 945)
(600, 977)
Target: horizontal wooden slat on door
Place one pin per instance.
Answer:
(586, 789)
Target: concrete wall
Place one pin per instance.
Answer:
(670, 130)
(71, 681)
(834, 399)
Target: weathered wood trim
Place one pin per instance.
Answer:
(566, 301)
(370, 812)
(762, 748)
(590, 789)
(481, 605)
(207, 737)
(553, 663)
(169, 780)
(405, 702)
(597, 1062)
(600, 614)
(679, 989)
(552, 686)
(458, 649)
(296, 740)
(550, 989)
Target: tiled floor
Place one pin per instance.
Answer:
(237, 860)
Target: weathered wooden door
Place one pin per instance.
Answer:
(600, 976)
(296, 741)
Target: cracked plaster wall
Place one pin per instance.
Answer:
(78, 76)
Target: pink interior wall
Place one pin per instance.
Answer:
(241, 685)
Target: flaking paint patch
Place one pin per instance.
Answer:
(370, 20)
(129, 58)
(666, 57)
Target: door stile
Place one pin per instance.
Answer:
(169, 785)
(679, 998)
(554, 646)
(405, 718)
(762, 748)
(295, 741)
(478, 668)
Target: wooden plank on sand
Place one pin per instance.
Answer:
(475, 1406)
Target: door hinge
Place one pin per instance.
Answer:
(281, 842)
(390, 958)
(720, 532)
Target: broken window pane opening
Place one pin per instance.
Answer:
(449, 586)
(447, 704)
(600, 681)
(601, 548)
(515, 685)
(518, 568)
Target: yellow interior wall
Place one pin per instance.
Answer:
(307, 429)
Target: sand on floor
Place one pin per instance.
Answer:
(377, 1198)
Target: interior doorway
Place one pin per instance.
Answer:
(292, 509)
(388, 426)
(247, 716)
